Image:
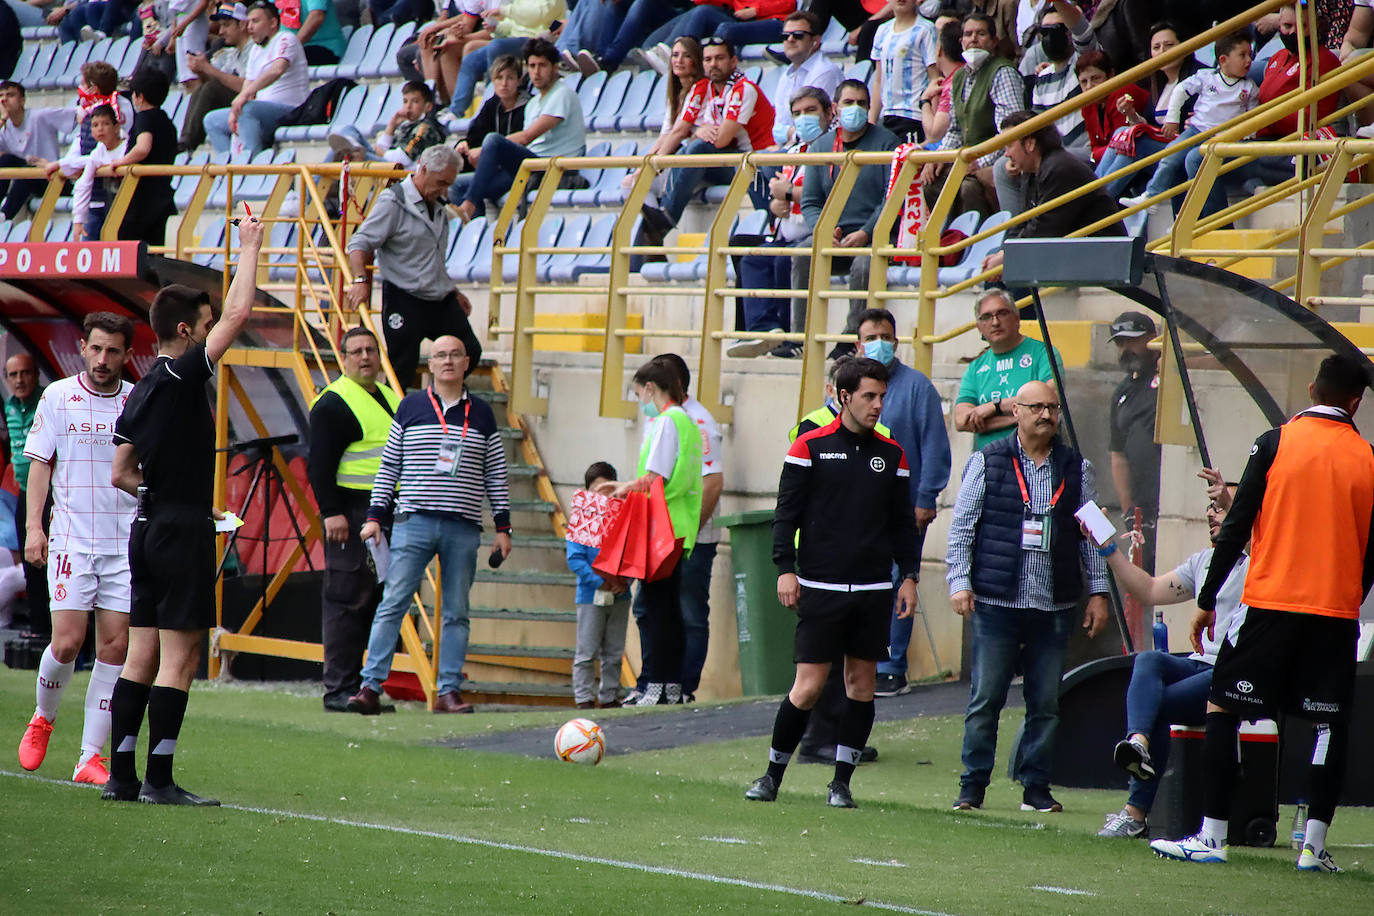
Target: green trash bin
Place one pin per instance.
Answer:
(766, 628)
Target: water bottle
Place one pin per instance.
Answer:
(1161, 633)
(1300, 825)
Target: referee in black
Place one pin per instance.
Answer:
(843, 519)
(165, 454)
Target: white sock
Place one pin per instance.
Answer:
(53, 677)
(1316, 835)
(1215, 830)
(96, 729)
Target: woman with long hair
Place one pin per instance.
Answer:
(687, 71)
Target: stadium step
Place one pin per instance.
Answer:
(526, 577)
(518, 693)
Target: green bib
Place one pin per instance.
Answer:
(363, 458)
(682, 490)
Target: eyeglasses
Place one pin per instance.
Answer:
(359, 351)
(447, 355)
(1214, 509)
(999, 315)
(713, 42)
(797, 35)
(1041, 408)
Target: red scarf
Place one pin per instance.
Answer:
(89, 101)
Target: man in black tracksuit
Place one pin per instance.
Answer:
(843, 519)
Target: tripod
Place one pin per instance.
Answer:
(259, 453)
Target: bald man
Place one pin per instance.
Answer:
(1019, 569)
(21, 373)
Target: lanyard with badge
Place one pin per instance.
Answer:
(450, 451)
(1035, 526)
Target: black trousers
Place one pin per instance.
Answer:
(35, 577)
(16, 192)
(347, 603)
(661, 629)
(407, 319)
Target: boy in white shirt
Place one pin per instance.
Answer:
(91, 195)
(1222, 93)
(27, 138)
(904, 52)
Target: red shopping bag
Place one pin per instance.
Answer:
(592, 515)
(664, 548)
(624, 548)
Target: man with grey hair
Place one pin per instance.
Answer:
(1010, 361)
(408, 231)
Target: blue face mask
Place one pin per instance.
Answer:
(649, 408)
(853, 117)
(881, 350)
(808, 127)
(780, 134)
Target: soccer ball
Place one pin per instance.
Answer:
(580, 741)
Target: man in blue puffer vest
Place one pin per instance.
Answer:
(1020, 567)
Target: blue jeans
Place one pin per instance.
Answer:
(1171, 169)
(416, 539)
(702, 21)
(1113, 160)
(1266, 170)
(590, 23)
(257, 123)
(641, 19)
(757, 271)
(696, 613)
(1165, 689)
(1006, 640)
(474, 68)
(684, 182)
(496, 169)
(899, 631)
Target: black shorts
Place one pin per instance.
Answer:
(1283, 661)
(172, 569)
(831, 624)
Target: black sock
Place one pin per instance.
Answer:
(166, 709)
(1328, 770)
(788, 729)
(127, 703)
(855, 728)
(1219, 758)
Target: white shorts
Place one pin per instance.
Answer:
(83, 582)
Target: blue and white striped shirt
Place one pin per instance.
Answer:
(407, 480)
(1036, 586)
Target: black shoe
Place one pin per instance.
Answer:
(1134, 759)
(657, 223)
(336, 704)
(765, 788)
(842, 349)
(838, 796)
(776, 57)
(868, 754)
(890, 685)
(1038, 798)
(173, 794)
(116, 790)
(786, 350)
(970, 798)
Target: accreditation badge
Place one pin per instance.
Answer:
(1035, 532)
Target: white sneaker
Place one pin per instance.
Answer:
(652, 696)
(1137, 199)
(660, 57)
(91, 34)
(1196, 848)
(1366, 132)
(746, 348)
(1124, 826)
(1316, 861)
(346, 146)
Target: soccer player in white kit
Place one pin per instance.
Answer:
(87, 549)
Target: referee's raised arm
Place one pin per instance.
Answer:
(238, 303)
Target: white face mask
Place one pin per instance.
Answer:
(975, 57)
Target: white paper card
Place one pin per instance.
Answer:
(381, 555)
(1100, 528)
(228, 523)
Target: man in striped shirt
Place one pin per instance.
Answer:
(442, 456)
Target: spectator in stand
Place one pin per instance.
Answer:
(418, 58)
(725, 111)
(515, 24)
(411, 130)
(152, 141)
(1063, 33)
(11, 41)
(27, 138)
(1356, 43)
(806, 66)
(276, 80)
(860, 19)
(1142, 137)
(316, 23)
(87, 20)
(812, 114)
(851, 131)
(503, 114)
(1280, 77)
(1003, 14)
(904, 55)
(740, 22)
(641, 19)
(220, 75)
(590, 25)
(687, 72)
(982, 94)
(554, 126)
(937, 100)
(91, 195)
(1051, 171)
(1222, 93)
(188, 35)
(1104, 118)
(97, 87)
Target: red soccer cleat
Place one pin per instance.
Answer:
(33, 747)
(93, 771)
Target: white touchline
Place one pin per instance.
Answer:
(1072, 891)
(536, 850)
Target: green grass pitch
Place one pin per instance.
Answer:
(342, 814)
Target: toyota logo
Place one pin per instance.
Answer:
(1244, 686)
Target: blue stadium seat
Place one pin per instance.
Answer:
(1137, 223)
(56, 64)
(123, 52)
(345, 113)
(352, 59)
(370, 67)
(37, 33)
(467, 239)
(481, 270)
(389, 68)
(643, 103)
(376, 110)
(605, 189)
(58, 231)
(769, 83)
(16, 232)
(212, 237)
(972, 262)
(183, 186)
(598, 235)
(835, 41)
(589, 90)
(574, 233)
(23, 67)
(754, 74)
(861, 71)
(752, 52)
(607, 110)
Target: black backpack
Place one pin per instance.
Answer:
(319, 105)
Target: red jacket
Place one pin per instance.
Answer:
(763, 9)
(1280, 76)
(1103, 119)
